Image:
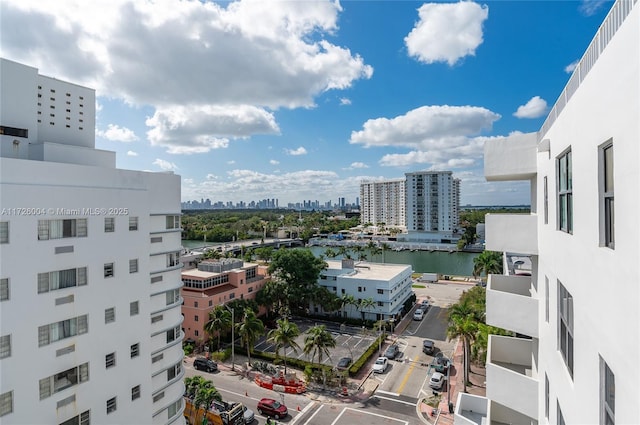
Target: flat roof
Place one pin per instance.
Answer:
(367, 270)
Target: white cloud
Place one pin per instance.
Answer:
(188, 181)
(274, 162)
(571, 67)
(231, 162)
(590, 7)
(175, 56)
(132, 153)
(534, 108)
(345, 101)
(116, 133)
(165, 165)
(447, 32)
(358, 165)
(295, 152)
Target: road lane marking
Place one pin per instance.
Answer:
(395, 400)
(388, 393)
(306, 408)
(406, 377)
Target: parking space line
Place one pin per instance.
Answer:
(368, 413)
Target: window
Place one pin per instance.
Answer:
(135, 350)
(174, 408)
(195, 318)
(53, 332)
(565, 193)
(158, 396)
(359, 288)
(380, 291)
(195, 303)
(173, 296)
(174, 371)
(157, 358)
(135, 392)
(565, 326)
(111, 405)
(133, 223)
(134, 308)
(4, 232)
(173, 222)
(133, 266)
(110, 360)
(63, 380)
(560, 419)
(58, 229)
(6, 403)
(108, 270)
(607, 220)
(196, 332)
(110, 315)
(607, 395)
(5, 346)
(83, 418)
(52, 281)
(546, 397)
(173, 334)
(156, 319)
(173, 259)
(4, 289)
(109, 224)
(546, 200)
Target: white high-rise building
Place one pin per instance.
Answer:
(382, 201)
(432, 201)
(576, 357)
(90, 319)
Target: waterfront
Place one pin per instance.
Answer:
(443, 262)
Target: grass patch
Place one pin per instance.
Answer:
(418, 286)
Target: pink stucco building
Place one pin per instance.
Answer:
(216, 282)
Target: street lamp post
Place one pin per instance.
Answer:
(233, 340)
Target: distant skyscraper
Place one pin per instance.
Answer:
(432, 201)
(383, 202)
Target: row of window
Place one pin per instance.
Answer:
(564, 194)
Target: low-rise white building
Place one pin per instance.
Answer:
(387, 285)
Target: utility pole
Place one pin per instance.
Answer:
(233, 340)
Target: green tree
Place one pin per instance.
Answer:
(488, 262)
(284, 336)
(249, 329)
(365, 304)
(205, 396)
(317, 342)
(464, 327)
(218, 323)
(347, 300)
(330, 253)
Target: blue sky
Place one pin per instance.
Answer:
(302, 100)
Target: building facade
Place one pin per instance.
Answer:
(214, 283)
(383, 202)
(387, 285)
(575, 359)
(432, 201)
(91, 254)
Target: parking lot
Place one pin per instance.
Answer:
(350, 342)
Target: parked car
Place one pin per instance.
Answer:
(381, 364)
(436, 381)
(428, 347)
(344, 363)
(441, 364)
(271, 407)
(248, 415)
(200, 363)
(425, 305)
(418, 314)
(392, 351)
(222, 406)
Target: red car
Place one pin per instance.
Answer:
(270, 407)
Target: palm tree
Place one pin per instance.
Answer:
(191, 388)
(464, 327)
(330, 253)
(345, 300)
(219, 322)
(374, 248)
(249, 329)
(206, 394)
(488, 262)
(317, 343)
(384, 247)
(284, 336)
(366, 303)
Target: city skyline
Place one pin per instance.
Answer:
(304, 100)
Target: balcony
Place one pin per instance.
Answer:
(471, 410)
(512, 233)
(510, 304)
(509, 370)
(511, 158)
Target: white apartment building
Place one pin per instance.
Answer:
(383, 201)
(432, 201)
(576, 357)
(387, 285)
(90, 319)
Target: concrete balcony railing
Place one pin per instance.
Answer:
(511, 158)
(512, 233)
(510, 304)
(509, 374)
(471, 410)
